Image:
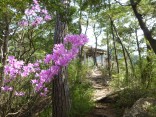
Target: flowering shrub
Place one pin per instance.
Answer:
(61, 56)
(35, 15)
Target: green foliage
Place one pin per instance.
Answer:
(47, 112)
(117, 81)
(1, 65)
(152, 111)
(95, 4)
(95, 11)
(104, 71)
(80, 89)
(140, 86)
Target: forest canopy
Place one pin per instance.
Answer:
(49, 49)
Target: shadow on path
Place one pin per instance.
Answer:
(103, 105)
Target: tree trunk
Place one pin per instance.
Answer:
(80, 31)
(95, 53)
(125, 59)
(108, 57)
(138, 47)
(60, 95)
(143, 26)
(95, 50)
(4, 50)
(123, 49)
(132, 67)
(114, 44)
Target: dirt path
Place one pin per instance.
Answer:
(101, 90)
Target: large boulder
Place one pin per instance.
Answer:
(141, 108)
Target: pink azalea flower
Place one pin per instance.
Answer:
(47, 18)
(6, 88)
(19, 93)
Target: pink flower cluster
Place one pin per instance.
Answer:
(35, 15)
(15, 69)
(60, 57)
(19, 93)
(6, 88)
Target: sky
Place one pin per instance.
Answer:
(91, 37)
(90, 34)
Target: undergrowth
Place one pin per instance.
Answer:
(141, 84)
(80, 89)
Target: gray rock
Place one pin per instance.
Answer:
(141, 108)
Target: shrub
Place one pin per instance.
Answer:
(80, 89)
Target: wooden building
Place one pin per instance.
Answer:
(89, 54)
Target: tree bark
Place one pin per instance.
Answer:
(95, 50)
(146, 31)
(114, 44)
(108, 57)
(138, 47)
(4, 50)
(60, 95)
(132, 67)
(123, 49)
(80, 31)
(95, 53)
(125, 59)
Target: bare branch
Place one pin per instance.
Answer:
(12, 113)
(122, 4)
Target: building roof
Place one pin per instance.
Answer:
(90, 51)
